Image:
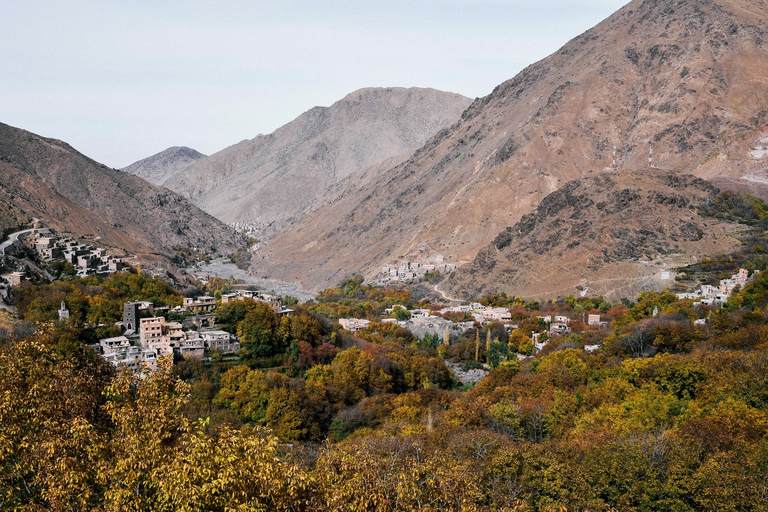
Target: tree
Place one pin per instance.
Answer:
(258, 331)
(50, 417)
(148, 421)
(519, 340)
(401, 314)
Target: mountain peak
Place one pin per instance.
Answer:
(676, 84)
(157, 168)
(68, 191)
(274, 180)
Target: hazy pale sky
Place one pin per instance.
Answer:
(122, 80)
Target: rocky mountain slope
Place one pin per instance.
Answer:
(50, 180)
(11, 218)
(278, 178)
(613, 235)
(689, 78)
(158, 168)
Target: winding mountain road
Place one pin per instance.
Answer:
(13, 237)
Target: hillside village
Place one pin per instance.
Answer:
(407, 271)
(711, 295)
(46, 246)
(146, 337)
(433, 322)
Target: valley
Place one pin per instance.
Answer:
(551, 297)
(227, 271)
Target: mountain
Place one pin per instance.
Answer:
(50, 180)
(278, 178)
(11, 218)
(613, 235)
(158, 168)
(687, 77)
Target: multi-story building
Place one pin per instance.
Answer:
(198, 304)
(220, 340)
(354, 325)
(160, 336)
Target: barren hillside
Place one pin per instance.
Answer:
(158, 168)
(689, 78)
(276, 179)
(614, 235)
(48, 179)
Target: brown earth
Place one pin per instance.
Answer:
(612, 235)
(48, 179)
(11, 218)
(691, 78)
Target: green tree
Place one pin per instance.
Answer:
(401, 314)
(258, 331)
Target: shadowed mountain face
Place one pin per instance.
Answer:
(276, 179)
(614, 234)
(689, 78)
(158, 168)
(48, 179)
(11, 217)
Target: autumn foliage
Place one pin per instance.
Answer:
(666, 415)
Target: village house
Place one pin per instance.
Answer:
(14, 278)
(160, 336)
(198, 304)
(354, 325)
(47, 248)
(121, 354)
(458, 309)
(222, 341)
(274, 301)
(717, 295)
(135, 359)
(194, 348)
(559, 329)
(113, 345)
(204, 321)
(492, 314)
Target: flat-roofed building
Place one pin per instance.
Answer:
(220, 340)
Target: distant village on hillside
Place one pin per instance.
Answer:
(409, 271)
(74, 257)
(147, 334)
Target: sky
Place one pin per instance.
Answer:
(123, 80)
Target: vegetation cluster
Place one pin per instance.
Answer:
(667, 414)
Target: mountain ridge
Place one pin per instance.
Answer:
(275, 179)
(49, 179)
(613, 234)
(161, 166)
(690, 79)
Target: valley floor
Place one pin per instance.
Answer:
(226, 270)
